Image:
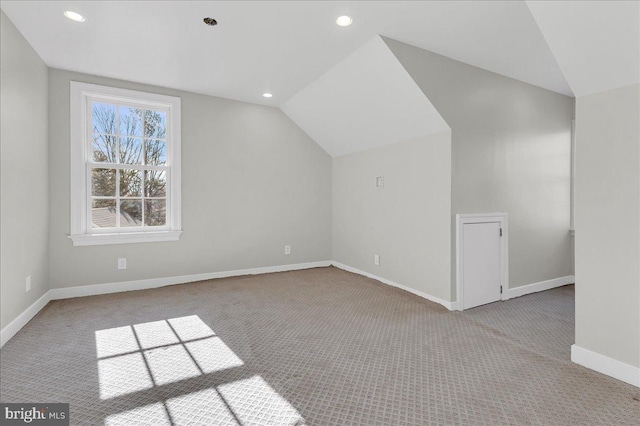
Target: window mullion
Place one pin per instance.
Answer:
(144, 161)
(88, 156)
(142, 193)
(118, 198)
(89, 186)
(129, 166)
(167, 198)
(117, 129)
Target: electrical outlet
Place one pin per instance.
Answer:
(122, 263)
(28, 283)
(287, 249)
(380, 182)
(376, 259)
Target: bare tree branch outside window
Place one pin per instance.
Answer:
(128, 136)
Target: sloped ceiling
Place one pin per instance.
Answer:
(296, 51)
(365, 101)
(596, 43)
(275, 46)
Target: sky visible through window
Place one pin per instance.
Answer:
(133, 194)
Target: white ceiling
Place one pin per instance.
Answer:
(340, 84)
(365, 101)
(596, 43)
(274, 46)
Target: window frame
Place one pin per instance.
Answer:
(81, 96)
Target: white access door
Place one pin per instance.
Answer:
(481, 260)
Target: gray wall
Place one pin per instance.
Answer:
(406, 223)
(607, 221)
(24, 203)
(511, 148)
(252, 182)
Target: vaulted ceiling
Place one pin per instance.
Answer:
(321, 73)
(365, 101)
(273, 46)
(596, 43)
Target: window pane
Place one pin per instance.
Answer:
(130, 150)
(103, 118)
(131, 213)
(155, 183)
(130, 121)
(130, 183)
(155, 124)
(104, 148)
(103, 213)
(155, 212)
(103, 182)
(155, 152)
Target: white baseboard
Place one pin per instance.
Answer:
(21, 320)
(452, 306)
(91, 290)
(605, 365)
(536, 287)
(95, 289)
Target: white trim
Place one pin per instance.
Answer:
(452, 306)
(80, 96)
(95, 289)
(21, 320)
(536, 287)
(605, 365)
(91, 290)
(125, 238)
(462, 219)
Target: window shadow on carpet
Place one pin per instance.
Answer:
(188, 372)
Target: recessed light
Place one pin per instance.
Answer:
(267, 95)
(74, 16)
(344, 21)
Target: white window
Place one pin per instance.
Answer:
(125, 166)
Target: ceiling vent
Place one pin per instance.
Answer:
(210, 21)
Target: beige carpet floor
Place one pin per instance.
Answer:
(316, 347)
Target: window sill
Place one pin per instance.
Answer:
(124, 238)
